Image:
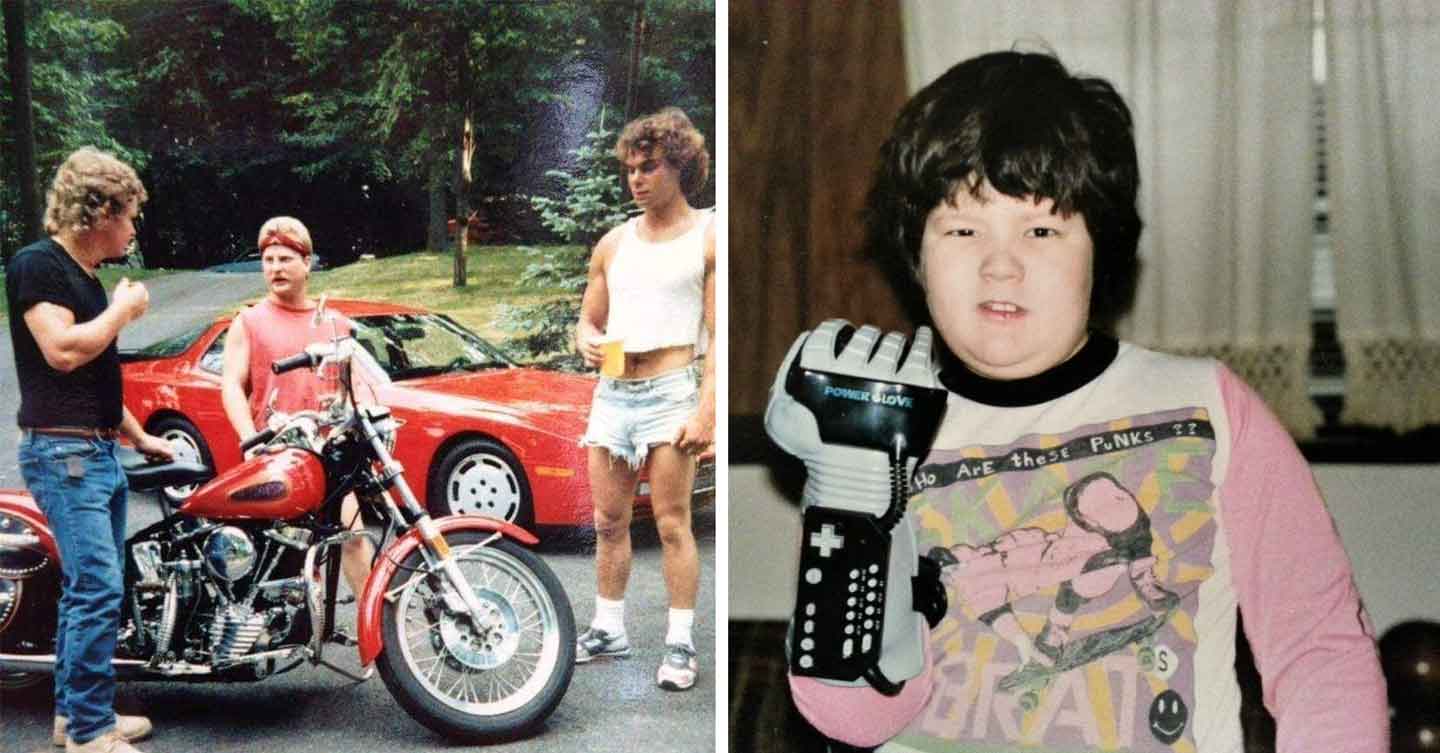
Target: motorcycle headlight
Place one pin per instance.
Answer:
(21, 554)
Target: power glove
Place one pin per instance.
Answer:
(860, 410)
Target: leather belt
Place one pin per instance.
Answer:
(84, 432)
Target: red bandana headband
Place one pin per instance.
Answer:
(277, 237)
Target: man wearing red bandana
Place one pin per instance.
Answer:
(279, 326)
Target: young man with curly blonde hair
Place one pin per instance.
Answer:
(71, 414)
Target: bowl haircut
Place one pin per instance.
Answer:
(1024, 124)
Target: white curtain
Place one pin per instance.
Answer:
(1222, 98)
(1383, 159)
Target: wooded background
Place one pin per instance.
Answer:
(350, 115)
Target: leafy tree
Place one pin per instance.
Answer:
(419, 88)
(591, 201)
(75, 92)
(675, 52)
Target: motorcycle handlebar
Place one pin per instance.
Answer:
(297, 361)
(257, 439)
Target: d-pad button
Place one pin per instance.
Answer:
(826, 540)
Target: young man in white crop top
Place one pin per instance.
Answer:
(652, 286)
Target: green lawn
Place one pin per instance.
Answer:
(424, 279)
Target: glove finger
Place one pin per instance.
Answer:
(919, 365)
(856, 356)
(887, 356)
(820, 347)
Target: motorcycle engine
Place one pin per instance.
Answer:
(229, 553)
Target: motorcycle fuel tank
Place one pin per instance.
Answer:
(270, 486)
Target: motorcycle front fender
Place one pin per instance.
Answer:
(20, 505)
(372, 601)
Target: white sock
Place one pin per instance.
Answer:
(609, 615)
(681, 621)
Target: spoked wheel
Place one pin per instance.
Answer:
(484, 680)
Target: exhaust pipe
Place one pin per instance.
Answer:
(45, 663)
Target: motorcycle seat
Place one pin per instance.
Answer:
(145, 475)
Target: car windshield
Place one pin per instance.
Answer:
(410, 346)
(173, 346)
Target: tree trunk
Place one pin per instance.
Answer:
(436, 235)
(462, 166)
(632, 72)
(462, 204)
(22, 122)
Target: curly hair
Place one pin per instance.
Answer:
(89, 185)
(1028, 127)
(671, 131)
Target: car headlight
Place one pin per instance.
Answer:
(21, 554)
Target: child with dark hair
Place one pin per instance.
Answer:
(1103, 512)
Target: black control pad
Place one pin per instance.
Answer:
(840, 600)
(869, 413)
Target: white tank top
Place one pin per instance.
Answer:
(657, 290)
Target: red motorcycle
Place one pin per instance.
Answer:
(471, 632)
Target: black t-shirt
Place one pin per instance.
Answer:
(89, 396)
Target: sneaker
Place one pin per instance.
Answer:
(596, 642)
(131, 728)
(110, 742)
(678, 668)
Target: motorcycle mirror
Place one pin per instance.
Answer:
(320, 315)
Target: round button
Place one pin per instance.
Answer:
(849, 629)
(870, 597)
(813, 575)
(807, 662)
(869, 610)
(850, 602)
(810, 609)
(809, 626)
(869, 624)
(852, 588)
(807, 644)
(871, 583)
(874, 568)
(854, 573)
(849, 615)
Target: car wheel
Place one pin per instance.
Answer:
(481, 477)
(187, 443)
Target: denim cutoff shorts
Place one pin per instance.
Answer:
(628, 416)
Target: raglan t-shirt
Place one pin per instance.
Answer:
(1098, 527)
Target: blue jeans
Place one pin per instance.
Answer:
(81, 489)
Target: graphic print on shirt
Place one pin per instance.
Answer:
(1072, 563)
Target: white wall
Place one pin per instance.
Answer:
(1389, 519)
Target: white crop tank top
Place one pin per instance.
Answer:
(657, 290)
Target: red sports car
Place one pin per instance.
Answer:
(480, 434)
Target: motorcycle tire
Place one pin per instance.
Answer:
(434, 660)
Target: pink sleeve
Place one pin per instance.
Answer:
(861, 716)
(1313, 642)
